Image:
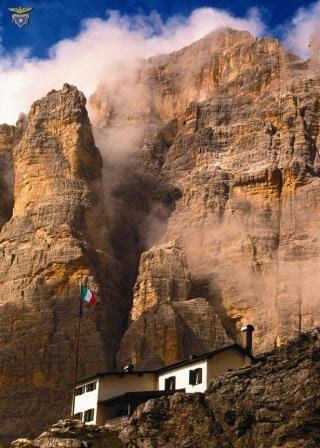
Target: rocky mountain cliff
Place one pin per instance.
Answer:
(201, 217)
(52, 169)
(229, 127)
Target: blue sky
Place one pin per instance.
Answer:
(54, 20)
(77, 42)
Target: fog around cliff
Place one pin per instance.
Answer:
(105, 49)
(110, 52)
(297, 33)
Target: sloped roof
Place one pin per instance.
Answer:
(120, 373)
(207, 355)
(191, 360)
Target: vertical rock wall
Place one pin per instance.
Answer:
(7, 174)
(243, 153)
(46, 247)
(207, 221)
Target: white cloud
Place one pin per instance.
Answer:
(103, 50)
(106, 49)
(298, 32)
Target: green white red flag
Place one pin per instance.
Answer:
(86, 295)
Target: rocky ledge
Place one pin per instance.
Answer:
(275, 403)
(73, 434)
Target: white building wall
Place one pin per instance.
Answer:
(115, 385)
(182, 377)
(231, 359)
(88, 400)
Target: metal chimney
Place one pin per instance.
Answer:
(247, 331)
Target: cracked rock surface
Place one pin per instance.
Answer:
(209, 222)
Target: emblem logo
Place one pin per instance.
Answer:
(20, 16)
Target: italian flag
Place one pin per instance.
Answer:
(87, 295)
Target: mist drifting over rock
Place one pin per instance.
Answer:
(188, 204)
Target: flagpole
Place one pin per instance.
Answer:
(77, 350)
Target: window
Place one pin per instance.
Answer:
(91, 386)
(89, 415)
(88, 388)
(80, 390)
(198, 376)
(170, 383)
(195, 376)
(79, 416)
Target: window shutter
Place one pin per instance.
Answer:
(89, 415)
(91, 386)
(199, 376)
(170, 383)
(192, 377)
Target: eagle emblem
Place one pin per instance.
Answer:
(20, 16)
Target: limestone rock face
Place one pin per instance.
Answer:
(255, 406)
(232, 125)
(7, 134)
(48, 244)
(164, 311)
(207, 219)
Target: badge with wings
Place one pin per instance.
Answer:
(20, 16)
